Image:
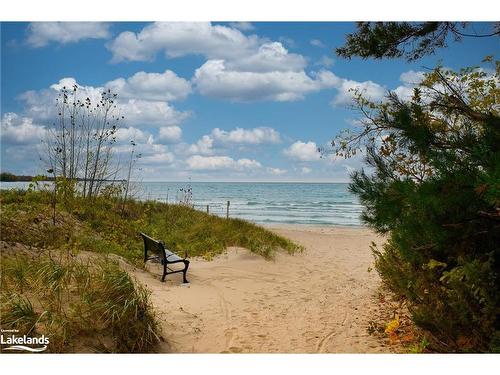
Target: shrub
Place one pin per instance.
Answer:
(433, 187)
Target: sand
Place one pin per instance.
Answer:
(317, 301)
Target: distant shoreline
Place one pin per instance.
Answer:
(49, 179)
(10, 177)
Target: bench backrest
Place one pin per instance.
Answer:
(151, 245)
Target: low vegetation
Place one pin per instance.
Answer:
(107, 225)
(59, 277)
(82, 304)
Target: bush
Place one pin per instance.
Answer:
(434, 189)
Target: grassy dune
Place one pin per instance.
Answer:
(60, 279)
(106, 226)
(81, 305)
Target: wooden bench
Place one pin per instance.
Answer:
(164, 255)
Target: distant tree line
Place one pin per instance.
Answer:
(10, 177)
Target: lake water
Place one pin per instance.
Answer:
(266, 203)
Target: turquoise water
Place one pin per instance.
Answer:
(265, 203)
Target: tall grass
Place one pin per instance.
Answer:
(86, 302)
(109, 226)
(82, 306)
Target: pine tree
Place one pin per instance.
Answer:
(433, 187)
(411, 40)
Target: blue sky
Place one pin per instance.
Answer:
(213, 102)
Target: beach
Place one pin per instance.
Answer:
(318, 301)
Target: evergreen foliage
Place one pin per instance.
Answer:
(404, 39)
(433, 186)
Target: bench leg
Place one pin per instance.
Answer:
(164, 272)
(186, 266)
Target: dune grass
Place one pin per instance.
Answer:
(105, 225)
(81, 305)
(58, 279)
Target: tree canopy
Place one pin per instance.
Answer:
(405, 39)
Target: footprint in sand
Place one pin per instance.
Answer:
(230, 335)
(314, 312)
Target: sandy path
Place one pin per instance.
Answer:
(320, 300)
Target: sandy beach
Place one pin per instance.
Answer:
(317, 301)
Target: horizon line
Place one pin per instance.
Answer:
(250, 182)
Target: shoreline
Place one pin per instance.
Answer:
(314, 227)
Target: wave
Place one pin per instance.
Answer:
(265, 202)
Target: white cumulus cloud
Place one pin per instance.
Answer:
(410, 80)
(412, 77)
(375, 92)
(131, 134)
(239, 67)
(249, 136)
(325, 61)
(349, 88)
(42, 33)
(40, 106)
(269, 57)
(158, 158)
(166, 86)
(20, 130)
(151, 113)
(170, 134)
(215, 42)
(243, 26)
(198, 162)
(276, 171)
(303, 151)
(215, 80)
(182, 38)
(203, 146)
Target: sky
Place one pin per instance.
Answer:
(230, 101)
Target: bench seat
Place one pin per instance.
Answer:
(164, 256)
(171, 257)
